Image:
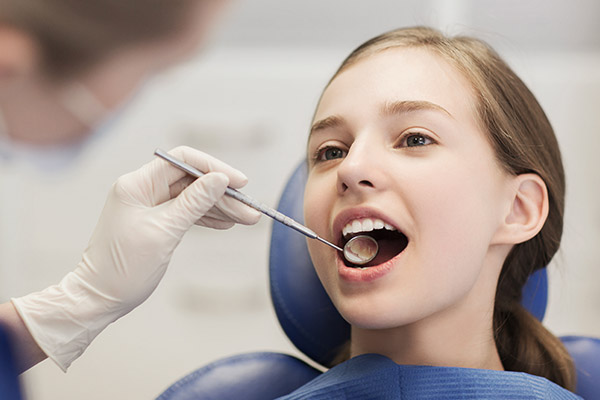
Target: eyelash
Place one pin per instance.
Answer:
(404, 139)
(320, 152)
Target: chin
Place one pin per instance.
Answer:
(372, 313)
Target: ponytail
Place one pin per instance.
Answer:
(523, 343)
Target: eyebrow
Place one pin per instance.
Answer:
(388, 109)
(407, 106)
(329, 122)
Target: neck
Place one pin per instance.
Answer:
(458, 336)
(432, 342)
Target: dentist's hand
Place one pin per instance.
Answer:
(146, 215)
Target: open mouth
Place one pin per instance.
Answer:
(390, 240)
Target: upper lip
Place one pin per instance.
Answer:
(350, 214)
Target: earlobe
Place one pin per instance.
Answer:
(18, 53)
(528, 212)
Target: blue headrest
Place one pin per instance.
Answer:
(305, 312)
(586, 355)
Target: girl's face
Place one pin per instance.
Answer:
(396, 144)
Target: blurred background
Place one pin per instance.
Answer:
(248, 98)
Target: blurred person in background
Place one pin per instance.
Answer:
(65, 67)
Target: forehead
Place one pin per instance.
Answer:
(398, 74)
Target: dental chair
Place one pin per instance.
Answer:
(314, 326)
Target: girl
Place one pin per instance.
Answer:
(435, 147)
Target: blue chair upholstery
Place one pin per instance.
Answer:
(314, 326)
(9, 380)
(247, 376)
(299, 299)
(585, 352)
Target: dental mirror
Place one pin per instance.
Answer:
(361, 249)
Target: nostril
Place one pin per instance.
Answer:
(366, 183)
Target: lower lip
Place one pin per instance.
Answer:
(369, 274)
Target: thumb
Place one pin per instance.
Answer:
(198, 198)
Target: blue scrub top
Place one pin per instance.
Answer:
(373, 376)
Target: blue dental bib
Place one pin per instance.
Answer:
(373, 376)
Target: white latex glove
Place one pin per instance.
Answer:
(143, 221)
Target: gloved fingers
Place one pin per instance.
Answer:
(214, 223)
(246, 216)
(196, 200)
(180, 185)
(150, 185)
(202, 161)
(215, 213)
(230, 209)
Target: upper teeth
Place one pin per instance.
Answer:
(365, 225)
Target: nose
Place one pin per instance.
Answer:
(359, 171)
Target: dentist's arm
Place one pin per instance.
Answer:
(26, 350)
(145, 216)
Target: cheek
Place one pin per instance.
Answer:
(454, 213)
(318, 197)
(316, 212)
(457, 212)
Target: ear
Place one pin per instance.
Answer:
(528, 210)
(18, 53)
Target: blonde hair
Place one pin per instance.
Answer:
(524, 142)
(75, 34)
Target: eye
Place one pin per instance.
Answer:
(415, 139)
(329, 153)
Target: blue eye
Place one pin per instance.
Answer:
(330, 153)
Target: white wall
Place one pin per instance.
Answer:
(248, 100)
